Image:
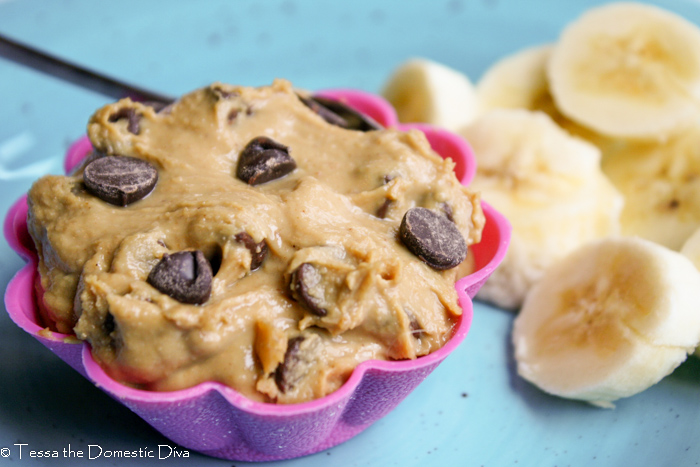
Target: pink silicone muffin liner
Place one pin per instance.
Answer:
(216, 420)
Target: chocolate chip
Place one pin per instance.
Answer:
(109, 325)
(185, 276)
(258, 251)
(433, 238)
(133, 117)
(159, 106)
(417, 330)
(233, 113)
(264, 159)
(221, 93)
(323, 112)
(215, 258)
(119, 180)
(81, 167)
(354, 119)
(284, 372)
(305, 280)
(384, 208)
(447, 209)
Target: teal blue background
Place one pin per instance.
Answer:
(473, 410)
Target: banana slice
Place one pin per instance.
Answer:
(661, 185)
(628, 70)
(425, 91)
(609, 320)
(550, 187)
(691, 250)
(518, 81)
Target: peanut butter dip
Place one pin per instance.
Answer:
(309, 276)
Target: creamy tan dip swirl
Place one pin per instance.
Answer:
(339, 210)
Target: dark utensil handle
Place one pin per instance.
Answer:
(74, 74)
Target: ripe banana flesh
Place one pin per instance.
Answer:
(628, 70)
(429, 92)
(550, 187)
(661, 185)
(519, 81)
(609, 320)
(691, 250)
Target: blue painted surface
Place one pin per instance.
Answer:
(473, 410)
